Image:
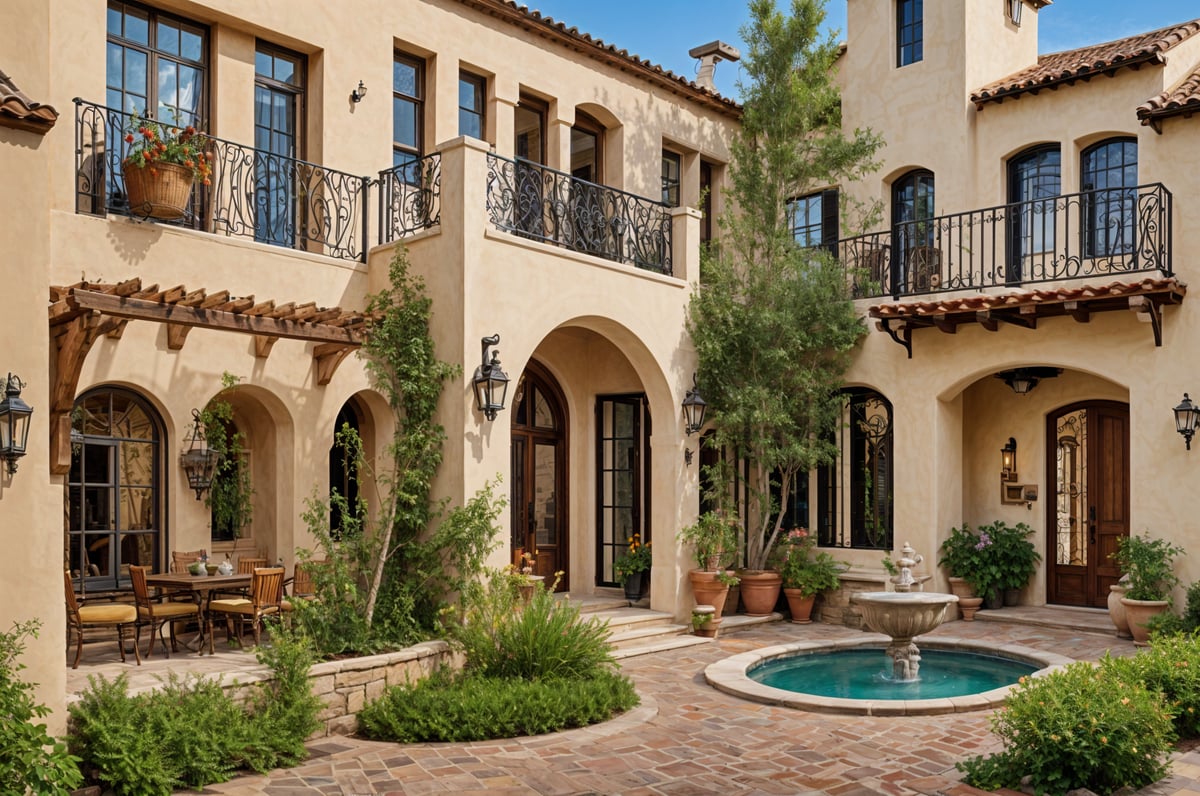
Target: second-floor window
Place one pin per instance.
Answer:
(671, 162)
(156, 63)
(408, 108)
(910, 32)
(1110, 170)
(278, 108)
(813, 219)
(471, 94)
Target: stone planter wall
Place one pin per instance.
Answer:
(834, 607)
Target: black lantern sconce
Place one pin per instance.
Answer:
(14, 422)
(199, 461)
(1014, 11)
(693, 415)
(1186, 416)
(1023, 380)
(491, 383)
(357, 94)
(1008, 461)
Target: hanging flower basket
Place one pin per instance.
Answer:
(160, 191)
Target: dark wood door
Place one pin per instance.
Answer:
(1088, 508)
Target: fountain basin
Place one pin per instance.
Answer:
(902, 615)
(731, 676)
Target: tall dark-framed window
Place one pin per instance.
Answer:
(1034, 183)
(278, 122)
(472, 94)
(910, 32)
(813, 219)
(1108, 176)
(914, 257)
(114, 499)
(672, 166)
(408, 108)
(855, 493)
(587, 148)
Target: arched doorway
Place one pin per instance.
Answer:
(1088, 469)
(343, 468)
(114, 503)
(539, 472)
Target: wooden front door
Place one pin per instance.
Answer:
(539, 473)
(1088, 509)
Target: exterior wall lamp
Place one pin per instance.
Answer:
(1186, 416)
(1008, 461)
(491, 383)
(693, 415)
(199, 461)
(14, 422)
(356, 95)
(1023, 380)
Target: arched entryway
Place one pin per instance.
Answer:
(539, 472)
(1087, 471)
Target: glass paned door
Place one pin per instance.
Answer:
(539, 474)
(621, 442)
(1034, 183)
(277, 94)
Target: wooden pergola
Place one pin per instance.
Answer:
(81, 313)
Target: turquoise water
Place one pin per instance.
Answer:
(865, 673)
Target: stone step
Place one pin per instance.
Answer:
(660, 644)
(628, 636)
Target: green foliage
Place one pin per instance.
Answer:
(803, 567)
(445, 708)
(1079, 727)
(1171, 667)
(773, 324)
(29, 757)
(713, 535)
(284, 711)
(230, 498)
(540, 640)
(1149, 566)
(994, 558)
(890, 566)
(636, 558)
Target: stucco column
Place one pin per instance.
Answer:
(685, 244)
(558, 143)
(676, 504)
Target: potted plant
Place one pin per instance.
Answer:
(162, 164)
(805, 572)
(632, 567)
(961, 553)
(1149, 566)
(713, 537)
(1014, 554)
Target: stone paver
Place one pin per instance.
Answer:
(688, 738)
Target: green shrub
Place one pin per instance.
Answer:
(29, 757)
(445, 707)
(1171, 667)
(542, 639)
(285, 709)
(1079, 727)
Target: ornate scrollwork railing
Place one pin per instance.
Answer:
(410, 197)
(537, 202)
(253, 193)
(1102, 233)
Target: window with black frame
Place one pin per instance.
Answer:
(910, 33)
(1108, 177)
(855, 493)
(278, 109)
(408, 115)
(813, 219)
(472, 92)
(671, 168)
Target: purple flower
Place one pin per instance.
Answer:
(984, 541)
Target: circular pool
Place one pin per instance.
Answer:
(853, 676)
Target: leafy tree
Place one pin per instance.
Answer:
(773, 323)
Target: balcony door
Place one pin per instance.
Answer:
(530, 134)
(1088, 467)
(1034, 182)
(539, 473)
(915, 260)
(278, 94)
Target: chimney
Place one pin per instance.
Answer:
(709, 54)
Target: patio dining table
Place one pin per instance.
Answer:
(202, 587)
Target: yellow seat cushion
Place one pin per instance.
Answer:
(167, 610)
(107, 614)
(240, 606)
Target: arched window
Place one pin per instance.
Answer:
(114, 504)
(1108, 176)
(343, 470)
(915, 258)
(860, 515)
(1034, 180)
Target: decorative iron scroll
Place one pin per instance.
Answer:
(1073, 236)
(271, 198)
(410, 198)
(537, 202)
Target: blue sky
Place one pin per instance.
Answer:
(662, 31)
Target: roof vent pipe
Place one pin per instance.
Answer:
(709, 54)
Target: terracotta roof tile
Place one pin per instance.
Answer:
(992, 301)
(1069, 65)
(1184, 99)
(22, 113)
(534, 20)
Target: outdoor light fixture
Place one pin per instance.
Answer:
(1023, 380)
(357, 94)
(14, 423)
(199, 461)
(1186, 416)
(693, 415)
(1008, 461)
(1014, 11)
(491, 383)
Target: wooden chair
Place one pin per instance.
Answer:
(157, 614)
(301, 586)
(266, 590)
(246, 566)
(109, 615)
(181, 558)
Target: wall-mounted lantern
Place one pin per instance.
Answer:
(1008, 461)
(14, 422)
(693, 415)
(491, 383)
(199, 461)
(1186, 416)
(356, 95)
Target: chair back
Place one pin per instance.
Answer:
(72, 603)
(141, 592)
(302, 585)
(246, 566)
(266, 587)
(181, 558)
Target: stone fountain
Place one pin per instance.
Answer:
(903, 615)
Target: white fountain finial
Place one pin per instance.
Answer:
(908, 559)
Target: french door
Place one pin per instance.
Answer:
(622, 496)
(1088, 468)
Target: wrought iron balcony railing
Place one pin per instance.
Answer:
(410, 197)
(1105, 233)
(253, 193)
(537, 202)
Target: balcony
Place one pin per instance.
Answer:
(1093, 234)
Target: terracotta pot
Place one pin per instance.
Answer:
(968, 606)
(161, 191)
(1138, 612)
(1116, 610)
(800, 606)
(760, 591)
(709, 629)
(731, 600)
(960, 588)
(708, 590)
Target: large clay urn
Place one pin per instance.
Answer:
(707, 590)
(1116, 610)
(800, 605)
(1138, 612)
(760, 590)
